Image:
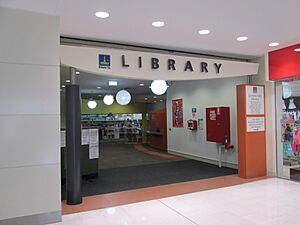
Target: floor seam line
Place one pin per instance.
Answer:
(174, 210)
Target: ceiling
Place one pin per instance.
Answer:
(96, 86)
(263, 21)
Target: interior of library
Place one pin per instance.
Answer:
(124, 137)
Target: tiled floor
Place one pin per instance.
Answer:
(265, 202)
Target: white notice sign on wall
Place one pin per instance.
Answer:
(93, 144)
(255, 102)
(85, 137)
(255, 124)
(93, 150)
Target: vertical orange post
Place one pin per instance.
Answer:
(251, 131)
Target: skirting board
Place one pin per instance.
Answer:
(38, 219)
(211, 161)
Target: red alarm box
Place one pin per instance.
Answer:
(218, 124)
(192, 124)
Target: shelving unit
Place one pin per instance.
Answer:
(117, 128)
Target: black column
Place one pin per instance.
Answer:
(73, 143)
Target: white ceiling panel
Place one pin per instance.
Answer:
(262, 21)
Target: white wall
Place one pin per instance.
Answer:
(262, 78)
(29, 117)
(202, 94)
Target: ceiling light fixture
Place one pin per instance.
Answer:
(273, 44)
(142, 85)
(99, 87)
(102, 15)
(158, 24)
(297, 50)
(108, 99)
(63, 86)
(203, 32)
(146, 99)
(77, 72)
(68, 81)
(123, 97)
(159, 87)
(92, 104)
(112, 83)
(242, 38)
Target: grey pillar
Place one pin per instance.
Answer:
(73, 141)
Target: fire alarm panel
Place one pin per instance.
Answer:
(218, 124)
(192, 124)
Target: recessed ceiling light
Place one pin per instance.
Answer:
(242, 38)
(203, 32)
(161, 100)
(158, 24)
(154, 96)
(77, 72)
(68, 81)
(112, 83)
(102, 15)
(146, 98)
(273, 44)
(297, 50)
(63, 86)
(99, 87)
(100, 95)
(142, 85)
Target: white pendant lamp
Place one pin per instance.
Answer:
(123, 97)
(159, 87)
(92, 104)
(108, 99)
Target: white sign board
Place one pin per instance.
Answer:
(93, 143)
(255, 101)
(94, 150)
(85, 137)
(255, 124)
(94, 136)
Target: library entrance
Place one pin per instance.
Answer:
(124, 142)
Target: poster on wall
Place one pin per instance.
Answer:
(255, 124)
(93, 144)
(255, 102)
(177, 112)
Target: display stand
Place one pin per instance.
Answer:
(251, 131)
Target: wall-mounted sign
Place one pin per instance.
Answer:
(255, 124)
(194, 112)
(177, 112)
(255, 102)
(151, 66)
(104, 61)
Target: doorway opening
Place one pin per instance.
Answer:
(125, 146)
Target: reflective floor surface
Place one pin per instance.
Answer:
(269, 201)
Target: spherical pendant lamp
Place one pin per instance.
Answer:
(108, 99)
(159, 87)
(123, 97)
(92, 104)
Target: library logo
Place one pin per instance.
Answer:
(104, 61)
